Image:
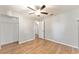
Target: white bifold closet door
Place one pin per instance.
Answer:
(9, 29)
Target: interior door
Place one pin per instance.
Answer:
(39, 28)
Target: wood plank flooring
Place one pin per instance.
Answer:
(37, 46)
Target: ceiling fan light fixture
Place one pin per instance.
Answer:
(37, 13)
(37, 22)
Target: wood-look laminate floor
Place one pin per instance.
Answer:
(37, 46)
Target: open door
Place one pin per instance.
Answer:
(39, 29)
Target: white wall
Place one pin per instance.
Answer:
(63, 28)
(26, 29)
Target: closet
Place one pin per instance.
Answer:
(9, 29)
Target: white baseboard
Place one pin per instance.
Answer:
(63, 43)
(20, 42)
(4, 43)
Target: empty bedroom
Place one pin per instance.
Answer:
(39, 29)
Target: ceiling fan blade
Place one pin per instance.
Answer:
(42, 7)
(31, 8)
(44, 13)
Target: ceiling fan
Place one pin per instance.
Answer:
(38, 11)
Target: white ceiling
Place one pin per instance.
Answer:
(51, 9)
